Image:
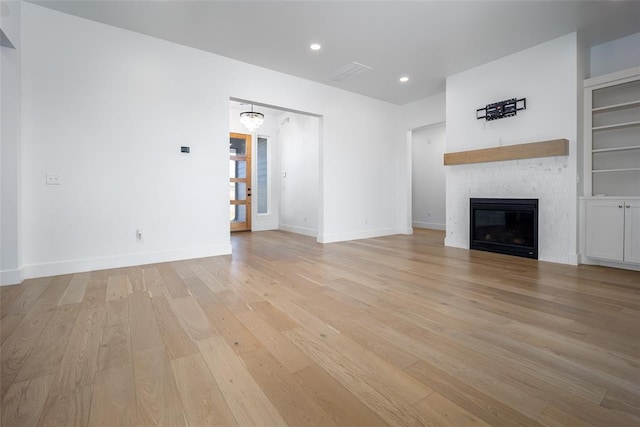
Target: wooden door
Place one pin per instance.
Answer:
(240, 181)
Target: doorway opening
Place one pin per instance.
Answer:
(280, 188)
(428, 196)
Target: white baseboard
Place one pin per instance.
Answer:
(10, 277)
(365, 234)
(592, 261)
(429, 225)
(312, 232)
(573, 259)
(264, 227)
(91, 264)
(452, 243)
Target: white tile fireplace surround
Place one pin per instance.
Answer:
(548, 179)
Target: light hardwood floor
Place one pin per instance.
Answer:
(396, 330)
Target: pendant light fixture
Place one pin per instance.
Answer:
(251, 120)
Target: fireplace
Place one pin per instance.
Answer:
(506, 226)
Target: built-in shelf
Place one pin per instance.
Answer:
(616, 106)
(554, 147)
(606, 150)
(617, 126)
(615, 170)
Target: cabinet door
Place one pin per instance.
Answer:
(632, 231)
(605, 229)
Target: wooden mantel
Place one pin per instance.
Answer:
(554, 147)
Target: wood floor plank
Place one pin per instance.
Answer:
(80, 361)
(198, 325)
(385, 390)
(95, 294)
(206, 276)
(289, 397)
(68, 409)
(48, 350)
(177, 342)
(117, 287)
(247, 401)
(144, 327)
(135, 277)
(152, 282)
(488, 409)
(15, 304)
(115, 344)
(228, 325)
(203, 402)
(113, 402)
(20, 343)
(552, 416)
(344, 408)
(24, 401)
(76, 289)
(276, 318)
(281, 348)
(173, 283)
(157, 399)
(438, 410)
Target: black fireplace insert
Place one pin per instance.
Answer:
(507, 226)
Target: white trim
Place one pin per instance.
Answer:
(299, 230)
(368, 234)
(429, 225)
(91, 264)
(612, 77)
(11, 277)
(452, 243)
(623, 265)
(272, 224)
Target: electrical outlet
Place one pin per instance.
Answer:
(138, 235)
(54, 179)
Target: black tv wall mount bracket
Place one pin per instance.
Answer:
(502, 109)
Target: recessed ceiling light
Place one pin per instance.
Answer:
(404, 79)
(315, 46)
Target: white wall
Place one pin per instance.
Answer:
(424, 112)
(615, 55)
(428, 183)
(10, 119)
(108, 109)
(547, 75)
(299, 149)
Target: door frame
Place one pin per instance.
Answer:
(246, 225)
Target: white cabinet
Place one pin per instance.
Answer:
(612, 134)
(613, 229)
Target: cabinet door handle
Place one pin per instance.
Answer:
(628, 206)
(620, 206)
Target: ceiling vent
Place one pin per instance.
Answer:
(348, 71)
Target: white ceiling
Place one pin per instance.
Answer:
(425, 40)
